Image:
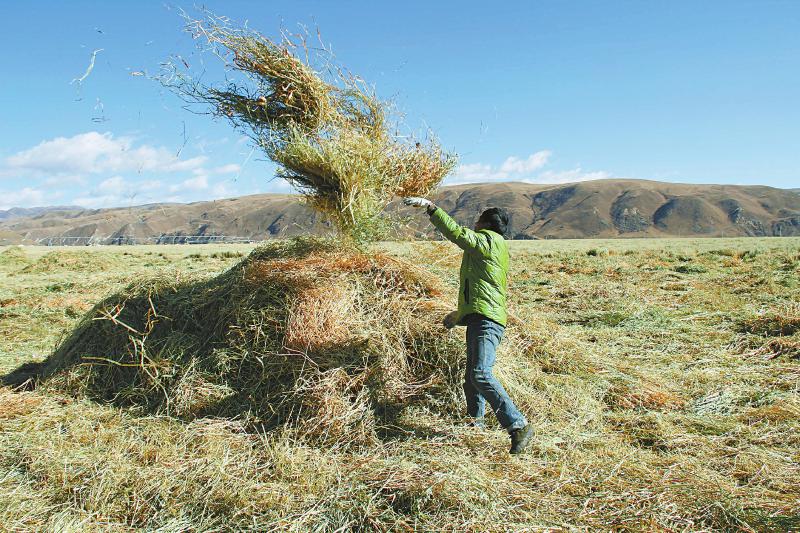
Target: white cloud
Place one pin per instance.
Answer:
(96, 202)
(97, 168)
(117, 191)
(198, 183)
(512, 169)
(114, 185)
(524, 170)
(95, 153)
(67, 179)
(569, 176)
(203, 144)
(514, 165)
(231, 168)
(472, 173)
(27, 197)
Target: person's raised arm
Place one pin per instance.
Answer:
(464, 238)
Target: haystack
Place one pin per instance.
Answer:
(331, 136)
(332, 344)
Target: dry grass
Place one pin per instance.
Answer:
(332, 137)
(780, 324)
(651, 413)
(70, 260)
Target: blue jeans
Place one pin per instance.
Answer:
(480, 385)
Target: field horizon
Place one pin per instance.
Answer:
(609, 208)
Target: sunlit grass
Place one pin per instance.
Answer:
(664, 398)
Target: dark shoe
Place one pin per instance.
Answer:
(520, 439)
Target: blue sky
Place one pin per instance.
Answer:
(547, 92)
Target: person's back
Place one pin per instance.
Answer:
(484, 279)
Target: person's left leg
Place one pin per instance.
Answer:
(476, 404)
(486, 335)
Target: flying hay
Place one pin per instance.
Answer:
(326, 129)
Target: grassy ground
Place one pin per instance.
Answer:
(666, 397)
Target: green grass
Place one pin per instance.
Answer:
(664, 385)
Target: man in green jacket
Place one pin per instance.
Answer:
(482, 309)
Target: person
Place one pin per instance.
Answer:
(483, 281)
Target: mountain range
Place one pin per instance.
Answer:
(601, 208)
(22, 212)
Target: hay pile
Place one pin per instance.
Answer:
(331, 343)
(332, 137)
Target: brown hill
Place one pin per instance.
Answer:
(603, 208)
(630, 208)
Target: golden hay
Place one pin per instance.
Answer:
(772, 324)
(779, 411)
(324, 127)
(641, 393)
(335, 409)
(17, 404)
(322, 317)
(382, 269)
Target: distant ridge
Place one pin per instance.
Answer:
(602, 208)
(20, 212)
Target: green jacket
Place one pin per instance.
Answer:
(484, 269)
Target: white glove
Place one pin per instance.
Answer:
(417, 202)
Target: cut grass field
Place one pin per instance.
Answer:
(664, 385)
